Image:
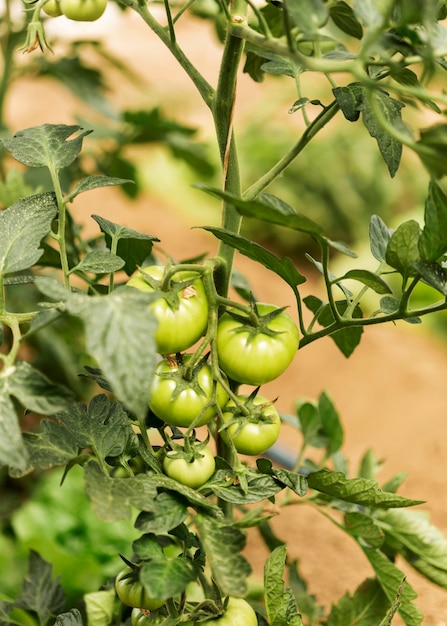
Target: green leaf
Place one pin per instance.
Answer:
(432, 149)
(22, 227)
(306, 602)
(367, 606)
(361, 491)
(12, 448)
(103, 426)
(331, 424)
(192, 496)
(223, 545)
(99, 607)
(46, 145)
(96, 182)
(390, 148)
(420, 542)
(279, 601)
(35, 392)
(259, 487)
(308, 15)
(363, 526)
(283, 267)
(291, 480)
(73, 617)
(112, 498)
(379, 236)
(267, 208)
(344, 17)
(434, 274)
(433, 240)
(99, 262)
(132, 246)
(167, 511)
(403, 248)
(120, 335)
(368, 12)
(40, 593)
(350, 100)
(393, 583)
(165, 578)
(371, 280)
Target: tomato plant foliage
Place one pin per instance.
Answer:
(162, 437)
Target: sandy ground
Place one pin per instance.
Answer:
(390, 393)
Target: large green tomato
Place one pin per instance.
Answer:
(182, 320)
(131, 591)
(179, 402)
(252, 437)
(238, 613)
(83, 10)
(256, 355)
(194, 473)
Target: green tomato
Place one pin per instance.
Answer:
(130, 591)
(180, 324)
(252, 437)
(52, 8)
(179, 402)
(252, 355)
(83, 10)
(238, 613)
(194, 473)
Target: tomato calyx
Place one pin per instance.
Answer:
(254, 323)
(170, 289)
(191, 449)
(184, 376)
(248, 411)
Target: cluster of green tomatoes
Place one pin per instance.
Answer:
(78, 10)
(237, 344)
(208, 346)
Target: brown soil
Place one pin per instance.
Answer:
(390, 393)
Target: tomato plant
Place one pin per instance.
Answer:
(194, 472)
(254, 430)
(130, 591)
(83, 10)
(256, 353)
(181, 313)
(95, 326)
(184, 399)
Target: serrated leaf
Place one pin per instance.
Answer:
(72, 618)
(223, 545)
(131, 245)
(112, 498)
(367, 606)
(350, 100)
(279, 601)
(331, 424)
(434, 274)
(46, 145)
(371, 280)
(192, 496)
(120, 335)
(36, 392)
(165, 578)
(99, 607)
(379, 237)
(403, 248)
(12, 448)
(346, 339)
(308, 15)
(259, 487)
(40, 593)
(283, 267)
(344, 17)
(99, 262)
(420, 542)
(433, 240)
(96, 182)
(103, 426)
(363, 526)
(22, 227)
(167, 511)
(267, 208)
(291, 480)
(356, 490)
(393, 583)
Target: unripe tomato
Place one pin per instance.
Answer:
(52, 8)
(177, 401)
(252, 355)
(252, 437)
(131, 591)
(238, 613)
(193, 473)
(83, 10)
(180, 325)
